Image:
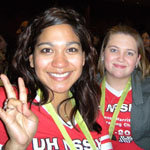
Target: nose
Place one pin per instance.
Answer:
(60, 60)
(121, 56)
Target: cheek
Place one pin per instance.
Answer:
(40, 63)
(78, 62)
(132, 63)
(108, 60)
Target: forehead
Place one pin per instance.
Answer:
(121, 37)
(58, 31)
(122, 41)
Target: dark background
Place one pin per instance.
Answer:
(100, 14)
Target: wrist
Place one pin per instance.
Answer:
(13, 146)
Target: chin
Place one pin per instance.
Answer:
(61, 90)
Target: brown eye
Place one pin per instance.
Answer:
(72, 50)
(47, 50)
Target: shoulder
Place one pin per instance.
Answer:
(146, 81)
(140, 122)
(139, 82)
(145, 86)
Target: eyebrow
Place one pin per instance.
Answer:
(132, 50)
(51, 44)
(118, 47)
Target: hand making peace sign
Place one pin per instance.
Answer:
(21, 123)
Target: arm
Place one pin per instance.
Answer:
(20, 122)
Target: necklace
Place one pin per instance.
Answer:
(65, 113)
(117, 110)
(66, 116)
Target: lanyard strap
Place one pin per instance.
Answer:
(83, 127)
(49, 107)
(62, 129)
(117, 110)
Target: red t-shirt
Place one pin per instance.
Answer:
(48, 136)
(122, 131)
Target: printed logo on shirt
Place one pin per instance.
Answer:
(125, 139)
(124, 108)
(53, 144)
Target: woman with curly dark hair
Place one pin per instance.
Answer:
(55, 61)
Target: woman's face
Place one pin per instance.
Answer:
(58, 58)
(120, 56)
(146, 39)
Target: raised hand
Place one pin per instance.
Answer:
(21, 123)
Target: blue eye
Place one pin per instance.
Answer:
(130, 53)
(113, 50)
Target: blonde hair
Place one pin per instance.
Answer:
(143, 65)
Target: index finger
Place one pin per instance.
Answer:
(8, 87)
(22, 90)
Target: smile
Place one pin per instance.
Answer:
(119, 66)
(62, 75)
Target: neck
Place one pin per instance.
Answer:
(117, 83)
(64, 108)
(59, 97)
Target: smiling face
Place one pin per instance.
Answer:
(58, 58)
(120, 56)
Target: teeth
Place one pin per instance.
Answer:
(60, 75)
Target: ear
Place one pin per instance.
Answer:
(138, 60)
(83, 59)
(102, 56)
(31, 61)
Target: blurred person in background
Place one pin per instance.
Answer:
(146, 40)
